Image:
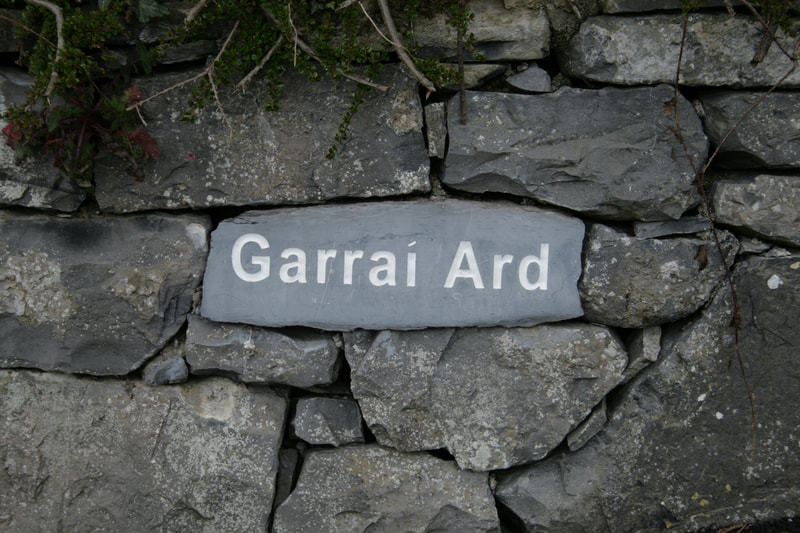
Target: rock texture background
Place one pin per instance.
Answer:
(121, 409)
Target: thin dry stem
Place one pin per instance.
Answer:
(244, 81)
(192, 13)
(60, 44)
(401, 52)
(310, 52)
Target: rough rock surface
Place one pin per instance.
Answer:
(678, 447)
(33, 182)
(632, 282)
(768, 135)
(609, 153)
(275, 157)
(96, 295)
(368, 488)
(640, 6)
(501, 34)
(465, 389)
(532, 79)
(764, 204)
(165, 369)
(645, 50)
(89, 455)
(302, 358)
(328, 421)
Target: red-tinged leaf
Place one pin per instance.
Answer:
(13, 133)
(191, 156)
(147, 142)
(133, 95)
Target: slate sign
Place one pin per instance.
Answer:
(395, 265)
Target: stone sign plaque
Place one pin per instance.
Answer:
(395, 265)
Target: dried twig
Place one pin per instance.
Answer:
(244, 81)
(310, 52)
(207, 72)
(60, 44)
(401, 52)
(192, 13)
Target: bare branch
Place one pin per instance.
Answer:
(60, 44)
(244, 81)
(192, 13)
(401, 52)
(310, 52)
(769, 30)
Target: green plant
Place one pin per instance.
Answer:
(67, 113)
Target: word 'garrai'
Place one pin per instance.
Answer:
(384, 273)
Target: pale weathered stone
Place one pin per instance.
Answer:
(494, 398)
(328, 421)
(96, 295)
(587, 429)
(645, 50)
(88, 455)
(532, 79)
(436, 123)
(764, 204)
(258, 355)
(632, 282)
(372, 489)
(677, 452)
(274, 157)
(768, 135)
(644, 346)
(501, 34)
(609, 153)
(32, 182)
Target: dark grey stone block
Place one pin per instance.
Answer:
(395, 265)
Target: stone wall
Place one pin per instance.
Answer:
(123, 409)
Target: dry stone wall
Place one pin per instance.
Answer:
(123, 409)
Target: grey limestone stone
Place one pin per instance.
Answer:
(475, 74)
(645, 50)
(532, 79)
(644, 347)
(436, 122)
(501, 34)
(640, 6)
(495, 398)
(587, 429)
(608, 152)
(399, 265)
(328, 421)
(766, 136)
(633, 282)
(165, 369)
(301, 358)
(677, 451)
(765, 204)
(664, 228)
(32, 182)
(270, 158)
(90, 455)
(99, 294)
(369, 488)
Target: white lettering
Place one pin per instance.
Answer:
(349, 258)
(261, 260)
(299, 266)
(464, 252)
(389, 268)
(541, 262)
(322, 264)
(497, 271)
(411, 270)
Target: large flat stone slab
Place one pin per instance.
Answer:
(96, 295)
(89, 455)
(395, 265)
(495, 398)
(270, 158)
(609, 153)
(645, 50)
(361, 489)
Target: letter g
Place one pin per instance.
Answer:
(262, 260)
